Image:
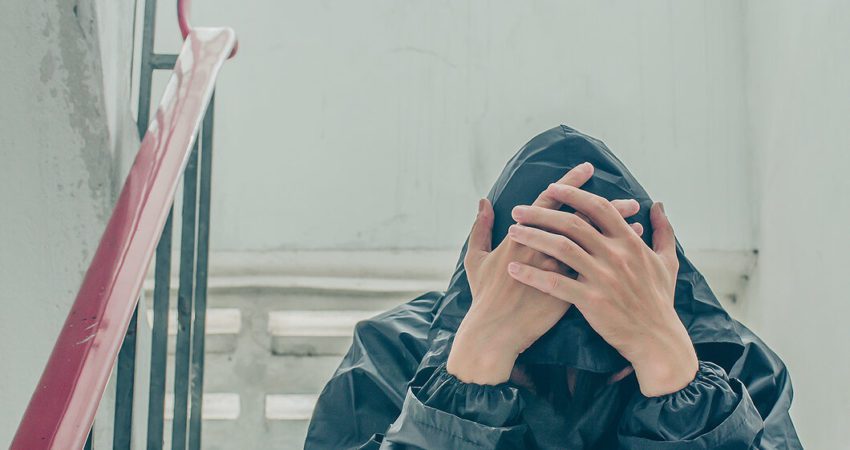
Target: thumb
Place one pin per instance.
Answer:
(663, 239)
(481, 237)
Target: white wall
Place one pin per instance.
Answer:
(799, 99)
(378, 124)
(57, 171)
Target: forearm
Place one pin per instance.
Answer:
(479, 358)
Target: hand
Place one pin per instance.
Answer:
(624, 289)
(506, 316)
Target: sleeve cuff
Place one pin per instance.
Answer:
(444, 412)
(492, 405)
(712, 411)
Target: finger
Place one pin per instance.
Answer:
(563, 223)
(551, 283)
(559, 247)
(621, 374)
(627, 208)
(663, 239)
(637, 227)
(598, 209)
(481, 236)
(576, 177)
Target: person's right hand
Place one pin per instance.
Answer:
(506, 316)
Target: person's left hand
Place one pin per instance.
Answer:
(624, 288)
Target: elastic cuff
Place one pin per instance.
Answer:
(711, 410)
(492, 405)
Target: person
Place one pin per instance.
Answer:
(573, 320)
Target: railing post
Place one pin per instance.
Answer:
(124, 386)
(183, 349)
(159, 337)
(199, 326)
(146, 67)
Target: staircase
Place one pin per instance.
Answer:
(276, 331)
(273, 341)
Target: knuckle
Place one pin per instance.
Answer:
(634, 243)
(600, 204)
(467, 261)
(573, 222)
(566, 246)
(674, 265)
(553, 283)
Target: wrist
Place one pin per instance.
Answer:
(480, 359)
(667, 368)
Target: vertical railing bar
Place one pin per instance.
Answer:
(201, 273)
(159, 337)
(150, 61)
(146, 68)
(182, 352)
(125, 379)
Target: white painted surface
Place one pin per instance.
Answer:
(315, 323)
(290, 406)
(218, 321)
(799, 99)
(62, 131)
(217, 406)
(378, 124)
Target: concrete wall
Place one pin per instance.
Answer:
(378, 124)
(799, 111)
(59, 166)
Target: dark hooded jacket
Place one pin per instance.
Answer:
(392, 390)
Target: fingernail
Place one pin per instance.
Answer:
(480, 205)
(586, 165)
(513, 230)
(513, 268)
(661, 205)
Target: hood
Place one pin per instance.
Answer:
(572, 342)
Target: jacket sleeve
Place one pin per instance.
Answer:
(440, 411)
(712, 412)
(747, 409)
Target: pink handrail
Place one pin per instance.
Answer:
(62, 408)
(183, 7)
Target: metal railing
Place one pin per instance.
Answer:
(100, 331)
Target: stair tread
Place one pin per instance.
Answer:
(216, 406)
(218, 321)
(325, 283)
(290, 406)
(316, 323)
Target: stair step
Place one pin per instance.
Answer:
(217, 406)
(330, 284)
(223, 326)
(290, 406)
(307, 333)
(259, 371)
(239, 435)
